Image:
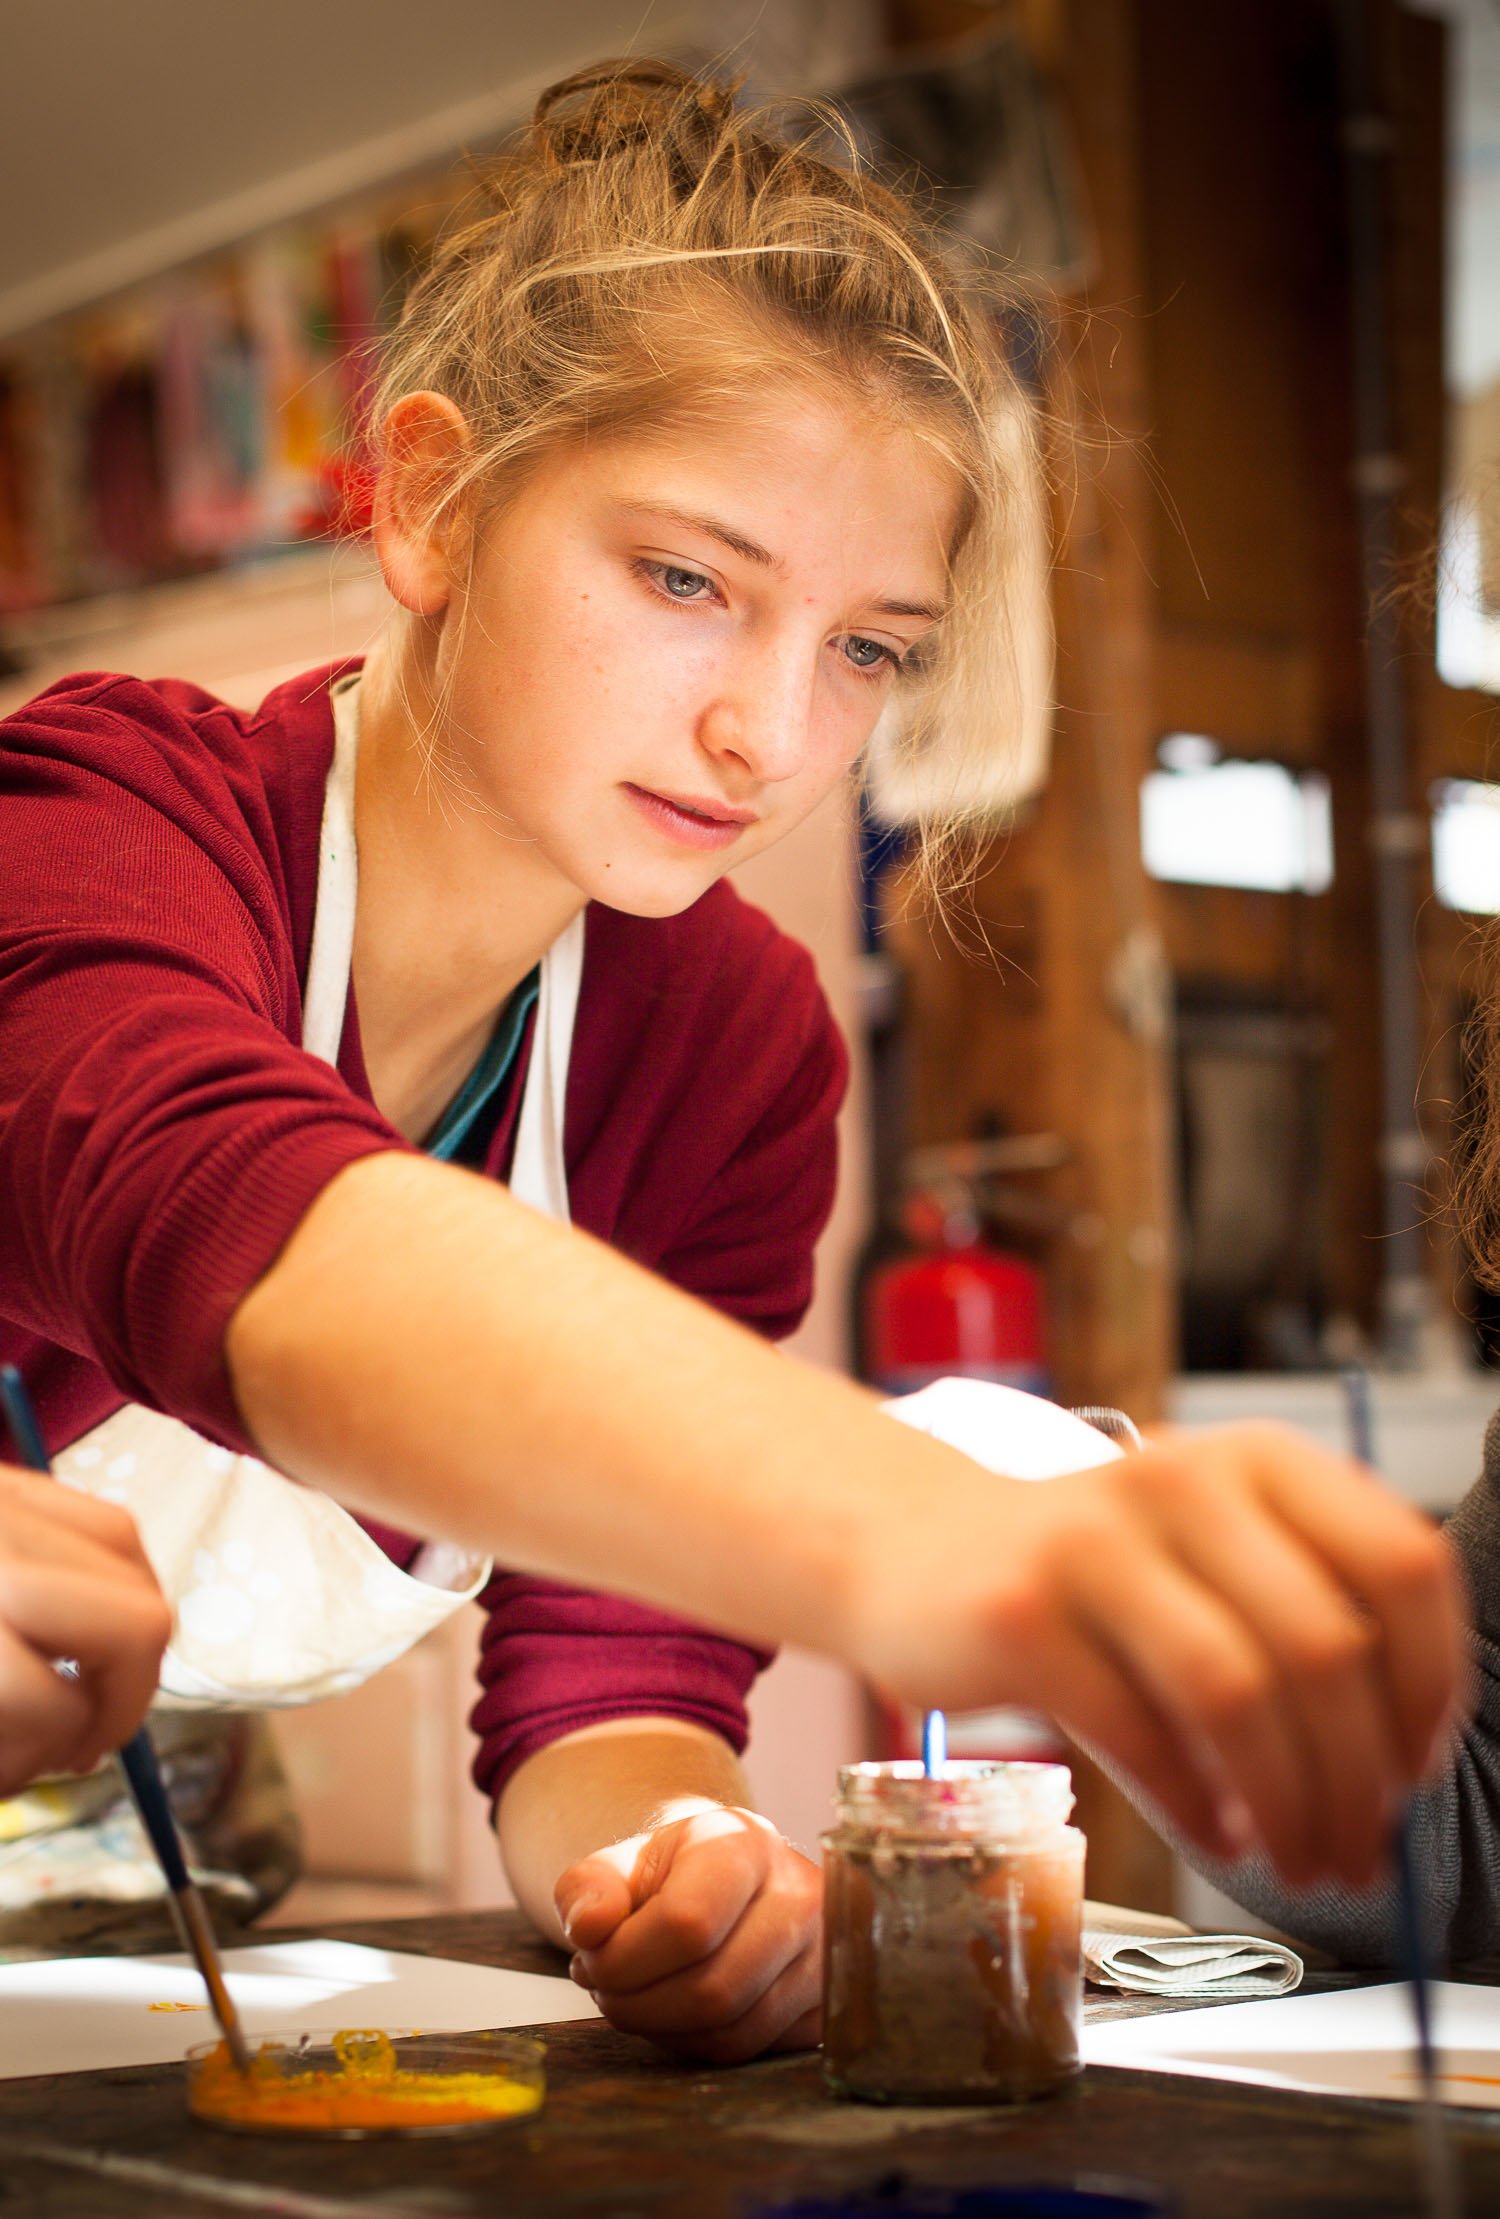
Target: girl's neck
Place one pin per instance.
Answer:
(451, 914)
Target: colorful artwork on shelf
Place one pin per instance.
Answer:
(212, 416)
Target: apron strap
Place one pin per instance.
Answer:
(332, 950)
(539, 1168)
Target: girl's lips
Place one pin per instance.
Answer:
(711, 826)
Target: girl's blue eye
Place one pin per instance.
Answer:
(869, 654)
(683, 585)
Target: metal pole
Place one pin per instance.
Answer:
(1397, 833)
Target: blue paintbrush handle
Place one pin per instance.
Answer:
(21, 1419)
(1414, 1944)
(139, 1761)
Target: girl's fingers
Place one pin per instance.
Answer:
(53, 1511)
(1207, 1674)
(74, 1583)
(779, 1922)
(725, 2014)
(1104, 1708)
(58, 1525)
(1395, 1563)
(592, 1897)
(100, 1618)
(1327, 1659)
(114, 1626)
(782, 2019)
(805, 2032)
(692, 1884)
(44, 1720)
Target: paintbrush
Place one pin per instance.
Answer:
(143, 1778)
(934, 1742)
(1435, 2147)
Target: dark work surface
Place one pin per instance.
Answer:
(627, 2136)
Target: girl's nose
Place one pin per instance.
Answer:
(763, 720)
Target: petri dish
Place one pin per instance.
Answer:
(363, 2082)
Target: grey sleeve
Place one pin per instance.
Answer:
(1456, 1822)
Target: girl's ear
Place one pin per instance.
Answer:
(425, 442)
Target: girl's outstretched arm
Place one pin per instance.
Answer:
(1269, 1644)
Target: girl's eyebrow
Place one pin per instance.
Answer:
(714, 527)
(726, 535)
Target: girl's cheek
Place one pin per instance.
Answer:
(858, 729)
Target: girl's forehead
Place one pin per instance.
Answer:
(792, 465)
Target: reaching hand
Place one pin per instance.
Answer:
(704, 1934)
(1268, 1641)
(74, 1583)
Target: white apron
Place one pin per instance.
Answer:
(279, 1597)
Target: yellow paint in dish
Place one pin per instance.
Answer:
(363, 2085)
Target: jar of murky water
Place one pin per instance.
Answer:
(953, 1919)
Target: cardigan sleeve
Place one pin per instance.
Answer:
(553, 1658)
(161, 1132)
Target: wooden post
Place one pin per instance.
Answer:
(1065, 1029)
(1107, 991)
(1063, 1026)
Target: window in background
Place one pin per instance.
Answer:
(1466, 845)
(1468, 613)
(1208, 821)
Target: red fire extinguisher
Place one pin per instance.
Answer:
(957, 1307)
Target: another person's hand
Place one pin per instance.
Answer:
(704, 1934)
(1269, 1642)
(74, 1583)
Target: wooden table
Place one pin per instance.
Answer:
(626, 2136)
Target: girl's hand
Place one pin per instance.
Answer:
(1269, 1642)
(704, 1934)
(74, 1583)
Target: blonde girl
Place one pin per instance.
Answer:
(695, 454)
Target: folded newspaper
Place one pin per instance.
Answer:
(1190, 1964)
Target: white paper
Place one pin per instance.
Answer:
(1358, 2042)
(80, 2014)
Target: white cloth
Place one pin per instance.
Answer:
(280, 1597)
(1020, 1435)
(1241, 1965)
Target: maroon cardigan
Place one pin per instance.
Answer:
(162, 1132)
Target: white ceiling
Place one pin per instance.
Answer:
(134, 133)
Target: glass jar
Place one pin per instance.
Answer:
(953, 1916)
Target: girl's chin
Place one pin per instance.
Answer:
(646, 894)
(637, 879)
